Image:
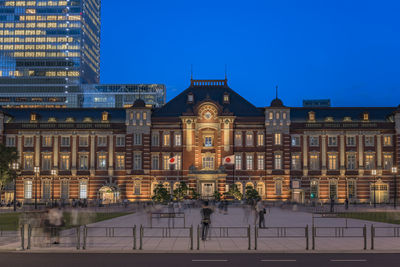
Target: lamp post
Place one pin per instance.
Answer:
(17, 172)
(394, 171)
(373, 172)
(36, 171)
(54, 174)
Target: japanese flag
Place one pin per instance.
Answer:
(229, 160)
(173, 161)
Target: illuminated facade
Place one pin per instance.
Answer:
(299, 154)
(49, 46)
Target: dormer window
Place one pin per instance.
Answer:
(33, 117)
(104, 116)
(69, 119)
(366, 116)
(329, 119)
(346, 119)
(87, 119)
(52, 119)
(271, 115)
(226, 98)
(190, 98)
(311, 116)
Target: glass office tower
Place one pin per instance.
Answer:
(48, 48)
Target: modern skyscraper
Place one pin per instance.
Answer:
(49, 47)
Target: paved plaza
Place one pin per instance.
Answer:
(230, 231)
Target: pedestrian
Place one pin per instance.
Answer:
(56, 221)
(261, 214)
(206, 212)
(332, 204)
(346, 204)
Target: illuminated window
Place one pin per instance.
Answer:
(104, 116)
(311, 116)
(260, 162)
(238, 139)
(46, 141)
(46, 162)
(83, 141)
(278, 161)
(365, 116)
(249, 162)
(166, 139)
(64, 162)
(83, 189)
(120, 162)
(101, 161)
(249, 139)
(260, 139)
(27, 189)
(332, 162)
(28, 162)
(83, 162)
(387, 140)
(278, 139)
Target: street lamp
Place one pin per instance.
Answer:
(36, 171)
(373, 172)
(17, 172)
(394, 171)
(54, 174)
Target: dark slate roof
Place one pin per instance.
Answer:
(237, 105)
(276, 103)
(115, 115)
(381, 114)
(139, 103)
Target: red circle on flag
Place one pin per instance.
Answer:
(172, 160)
(228, 160)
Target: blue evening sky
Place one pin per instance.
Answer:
(345, 50)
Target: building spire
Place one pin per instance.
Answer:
(276, 92)
(191, 71)
(226, 72)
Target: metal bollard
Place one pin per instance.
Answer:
(372, 236)
(141, 237)
(29, 236)
(307, 234)
(191, 237)
(23, 237)
(134, 236)
(365, 236)
(198, 237)
(78, 237)
(255, 238)
(84, 237)
(313, 237)
(248, 235)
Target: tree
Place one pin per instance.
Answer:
(161, 194)
(252, 194)
(8, 155)
(234, 192)
(193, 193)
(217, 196)
(181, 191)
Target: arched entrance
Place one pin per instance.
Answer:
(379, 192)
(109, 194)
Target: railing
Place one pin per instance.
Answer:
(339, 232)
(51, 236)
(281, 232)
(171, 216)
(165, 232)
(11, 236)
(105, 234)
(225, 232)
(384, 232)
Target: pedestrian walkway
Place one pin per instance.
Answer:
(121, 236)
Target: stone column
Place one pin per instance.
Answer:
(379, 152)
(226, 136)
(55, 152)
(323, 156)
(92, 154)
(342, 156)
(305, 155)
(189, 136)
(360, 155)
(37, 150)
(110, 155)
(20, 150)
(73, 156)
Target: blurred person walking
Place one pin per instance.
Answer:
(206, 212)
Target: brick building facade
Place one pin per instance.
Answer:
(287, 154)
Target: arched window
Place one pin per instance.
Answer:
(261, 189)
(239, 186)
(249, 184)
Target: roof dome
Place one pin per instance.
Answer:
(276, 103)
(139, 103)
